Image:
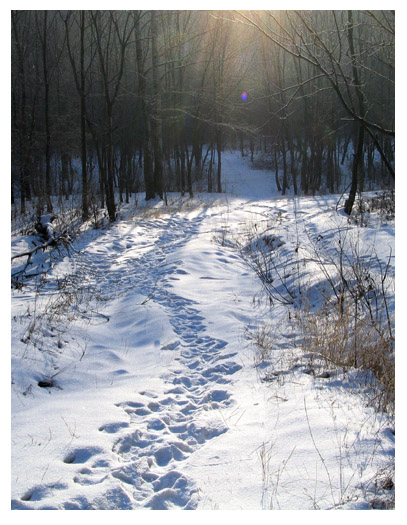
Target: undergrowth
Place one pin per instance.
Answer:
(338, 293)
(348, 342)
(50, 303)
(339, 297)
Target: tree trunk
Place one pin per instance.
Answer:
(293, 164)
(285, 181)
(276, 169)
(80, 80)
(110, 203)
(304, 169)
(65, 174)
(210, 169)
(147, 146)
(181, 154)
(21, 111)
(46, 117)
(330, 169)
(355, 170)
(189, 169)
(219, 160)
(85, 210)
(156, 123)
(358, 154)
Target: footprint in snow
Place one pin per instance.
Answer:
(163, 430)
(39, 492)
(82, 455)
(113, 428)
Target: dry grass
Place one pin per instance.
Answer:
(349, 341)
(263, 338)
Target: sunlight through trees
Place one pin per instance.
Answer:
(109, 103)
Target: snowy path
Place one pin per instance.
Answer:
(163, 428)
(166, 408)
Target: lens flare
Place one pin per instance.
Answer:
(244, 95)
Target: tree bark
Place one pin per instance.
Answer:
(156, 121)
(80, 82)
(147, 146)
(358, 154)
(21, 116)
(85, 206)
(46, 114)
(219, 159)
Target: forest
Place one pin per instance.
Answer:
(110, 103)
(202, 260)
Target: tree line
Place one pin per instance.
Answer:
(109, 103)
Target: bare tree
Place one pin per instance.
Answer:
(156, 120)
(320, 84)
(329, 49)
(142, 91)
(20, 121)
(112, 33)
(79, 73)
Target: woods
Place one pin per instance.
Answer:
(109, 103)
(202, 260)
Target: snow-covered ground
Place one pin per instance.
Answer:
(159, 399)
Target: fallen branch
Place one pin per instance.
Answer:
(51, 239)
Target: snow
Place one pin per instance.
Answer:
(158, 399)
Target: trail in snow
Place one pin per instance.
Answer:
(163, 430)
(166, 430)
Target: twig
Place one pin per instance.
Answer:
(151, 294)
(319, 453)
